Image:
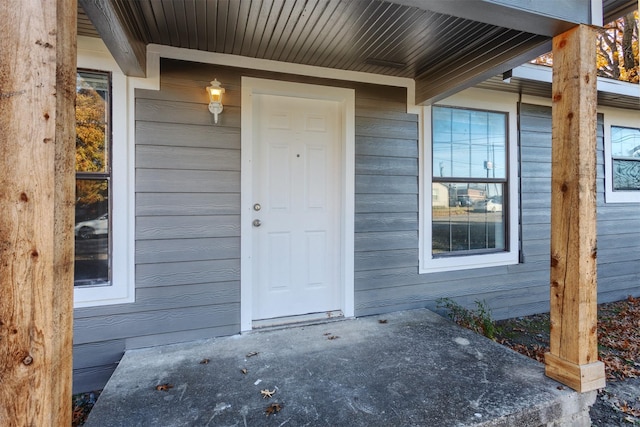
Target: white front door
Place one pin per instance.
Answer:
(296, 211)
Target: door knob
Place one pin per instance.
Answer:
(256, 223)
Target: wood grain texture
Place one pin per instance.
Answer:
(187, 158)
(373, 203)
(154, 322)
(184, 273)
(573, 339)
(185, 227)
(185, 135)
(390, 147)
(170, 298)
(374, 165)
(183, 249)
(172, 204)
(187, 181)
(37, 119)
(379, 184)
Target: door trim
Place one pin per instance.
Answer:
(346, 99)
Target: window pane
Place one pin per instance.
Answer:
(442, 142)
(92, 117)
(469, 143)
(92, 232)
(467, 217)
(625, 142)
(626, 175)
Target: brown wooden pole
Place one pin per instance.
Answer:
(37, 190)
(573, 356)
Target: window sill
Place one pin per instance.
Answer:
(451, 263)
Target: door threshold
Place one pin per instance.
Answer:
(299, 320)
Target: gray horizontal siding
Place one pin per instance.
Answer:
(187, 205)
(187, 252)
(385, 283)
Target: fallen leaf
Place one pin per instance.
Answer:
(273, 409)
(382, 320)
(251, 354)
(244, 371)
(164, 387)
(267, 394)
(204, 361)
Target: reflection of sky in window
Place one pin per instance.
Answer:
(625, 142)
(468, 143)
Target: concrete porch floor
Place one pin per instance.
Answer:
(410, 368)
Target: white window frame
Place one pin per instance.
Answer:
(93, 55)
(621, 118)
(480, 100)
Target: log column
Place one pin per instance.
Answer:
(37, 190)
(573, 357)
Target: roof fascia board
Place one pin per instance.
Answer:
(544, 74)
(129, 52)
(519, 15)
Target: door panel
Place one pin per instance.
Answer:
(296, 161)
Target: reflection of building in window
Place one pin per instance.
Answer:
(625, 158)
(469, 181)
(93, 173)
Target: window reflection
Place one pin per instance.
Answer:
(92, 225)
(467, 217)
(469, 181)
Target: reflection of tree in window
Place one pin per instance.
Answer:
(92, 178)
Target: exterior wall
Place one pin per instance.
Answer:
(188, 222)
(187, 199)
(618, 223)
(386, 275)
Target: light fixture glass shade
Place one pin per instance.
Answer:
(215, 92)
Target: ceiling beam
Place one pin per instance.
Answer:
(546, 18)
(437, 84)
(128, 50)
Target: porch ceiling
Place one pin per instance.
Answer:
(443, 53)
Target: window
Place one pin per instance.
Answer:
(104, 264)
(622, 156)
(625, 156)
(470, 220)
(93, 178)
(469, 164)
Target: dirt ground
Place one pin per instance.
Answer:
(619, 349)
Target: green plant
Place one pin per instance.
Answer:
(478, 320)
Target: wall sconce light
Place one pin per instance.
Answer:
(215, 99)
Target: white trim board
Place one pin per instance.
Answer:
(93, 54)
(346, 98)
(484, 100)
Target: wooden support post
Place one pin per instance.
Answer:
(573, 357)
(37, 190)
